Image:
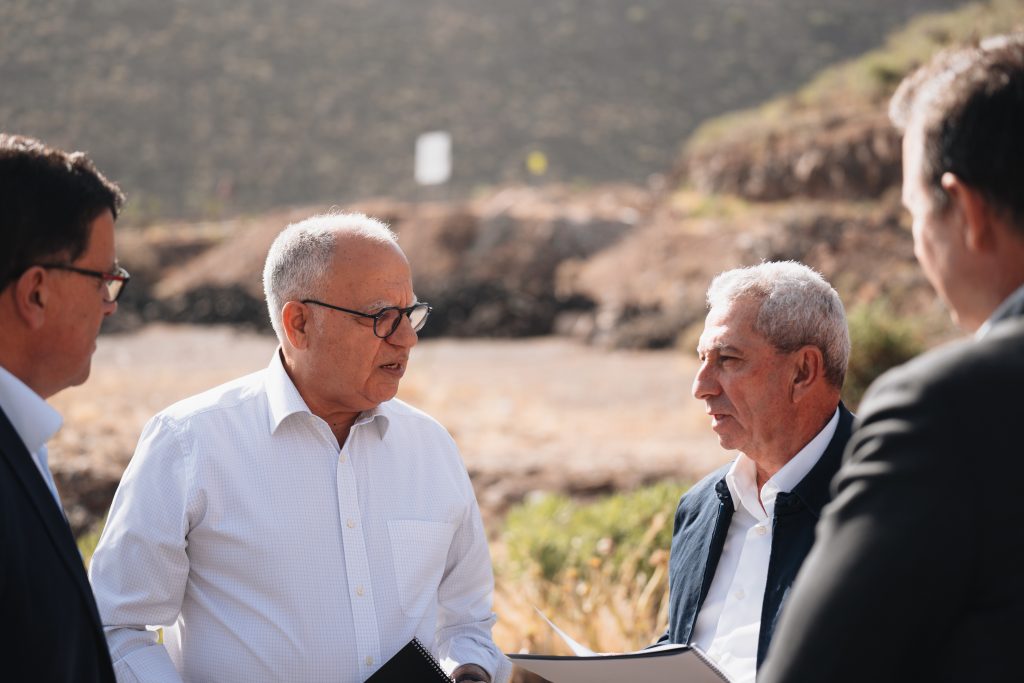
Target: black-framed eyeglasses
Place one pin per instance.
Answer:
(386, 320)
(113, 282)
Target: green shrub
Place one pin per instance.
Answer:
(880, 340)
(87, 541)
(599, 568)
(555, 534)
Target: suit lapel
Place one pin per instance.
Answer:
(716, 537)
(18, 459)
(815, 488)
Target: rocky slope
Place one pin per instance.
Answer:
(811, 176)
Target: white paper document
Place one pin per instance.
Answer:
(577, 649)
(661, 664)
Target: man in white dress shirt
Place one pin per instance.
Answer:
(773, 358)
(59, 279)
(300, 523)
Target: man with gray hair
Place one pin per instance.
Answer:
(773, 357)
(301, 523)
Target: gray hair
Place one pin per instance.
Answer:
(300, 258)
(798, 307)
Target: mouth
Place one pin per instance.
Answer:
(396, 368)
(717, 418)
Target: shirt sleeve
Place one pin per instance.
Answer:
(465, 598)
(140, 566)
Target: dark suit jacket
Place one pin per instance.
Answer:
(918, 574)
(702, 522)
(49, 627)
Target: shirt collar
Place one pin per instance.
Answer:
(1012, 305)
(742, 476)
(378, 416)
(33, 419)
(284, 400)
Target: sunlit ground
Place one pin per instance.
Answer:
(545, 406)
(539, 414)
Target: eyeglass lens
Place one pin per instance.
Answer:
(386, 324)
(113, 288)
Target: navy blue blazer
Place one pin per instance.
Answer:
(50, 631)
(702, 522)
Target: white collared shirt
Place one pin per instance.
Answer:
(34, 420)
(1002, 311)
(271, 554)
(729, 623)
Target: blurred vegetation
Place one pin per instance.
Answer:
(880, 340)
(87, 541)
(868, 80)
(599, 569)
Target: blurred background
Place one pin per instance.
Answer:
(205, 108)
(589, 166)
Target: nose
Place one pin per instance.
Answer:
(109, 308)
(705, 383)
(404, 336)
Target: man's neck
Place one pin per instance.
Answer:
(19, 363)
(340, 421)
(768, 464)
(341, 427)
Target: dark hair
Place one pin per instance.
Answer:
(48, 199)
(970, 103)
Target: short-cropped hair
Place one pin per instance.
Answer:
(48, 200)
(970, 104)
(299, 260)
(798, 307)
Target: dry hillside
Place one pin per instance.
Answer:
(203, 109)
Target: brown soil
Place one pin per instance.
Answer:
(541, 414)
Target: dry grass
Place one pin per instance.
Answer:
(609, 609)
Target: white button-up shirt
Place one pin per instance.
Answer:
(34, 420)
(268, 553)
(729, 623)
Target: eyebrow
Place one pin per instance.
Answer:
(727, 348)
(380, 303)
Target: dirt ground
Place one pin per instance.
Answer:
(529, 415)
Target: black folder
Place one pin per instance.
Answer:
(411, 663)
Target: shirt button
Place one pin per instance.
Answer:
(342, 458)
(761, 530)
(369, 661)
(360, 591)
(350, 524)
(739, 594)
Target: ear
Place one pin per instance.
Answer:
(808, 370)
(31, 293)
(979, 230)
(295, 322)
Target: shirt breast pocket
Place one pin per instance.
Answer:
(419, 551)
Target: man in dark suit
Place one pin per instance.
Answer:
(773, 358)
(918, 573)
(59, 279)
